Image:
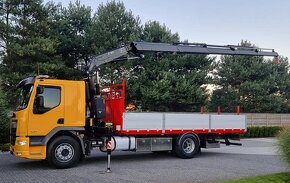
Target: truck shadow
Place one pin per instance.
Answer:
(139, 157)
(123, 157)
(129, 157)
(32, 165)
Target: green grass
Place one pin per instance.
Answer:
(273, 178)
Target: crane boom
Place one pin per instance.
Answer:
(138, 48)
(200, 48)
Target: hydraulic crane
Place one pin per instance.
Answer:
(139, 48)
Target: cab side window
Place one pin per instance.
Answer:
(50, 98)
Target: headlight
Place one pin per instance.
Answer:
(21, 142)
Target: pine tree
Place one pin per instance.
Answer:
(255, 83)
(168, 82)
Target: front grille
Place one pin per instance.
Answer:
(13, 131)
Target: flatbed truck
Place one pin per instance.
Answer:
(61, 121)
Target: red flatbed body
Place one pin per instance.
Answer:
(144, 123)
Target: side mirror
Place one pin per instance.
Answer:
(39, 102)
(39, 90)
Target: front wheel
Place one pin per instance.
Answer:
(187, 146)
(63, 152)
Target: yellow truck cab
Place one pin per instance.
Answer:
(47, 107)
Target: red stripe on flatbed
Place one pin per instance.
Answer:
(177, 132)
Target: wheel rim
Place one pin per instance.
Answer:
(64, 152)
(188, 145)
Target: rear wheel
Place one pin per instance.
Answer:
(63, 152)
(187, 146)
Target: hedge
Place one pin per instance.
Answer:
(284, 144)
(4, 120)
(4, 147)
(262, 131)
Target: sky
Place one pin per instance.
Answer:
(266, 23)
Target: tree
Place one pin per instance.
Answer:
(254, 83)
(114, 26)
(168, 82)
(4, 120)
(26, 43)
(155, 32)
(72, 30)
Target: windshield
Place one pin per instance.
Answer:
(24, 97)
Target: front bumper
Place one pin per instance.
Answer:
(26, 151)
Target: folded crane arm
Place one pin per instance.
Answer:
(139, 48)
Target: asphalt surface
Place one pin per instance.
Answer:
(255, 157)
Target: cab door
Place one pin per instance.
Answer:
(48, 110)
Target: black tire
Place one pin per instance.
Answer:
(186, 146)
(63, 152)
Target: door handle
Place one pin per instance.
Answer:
(60, 121)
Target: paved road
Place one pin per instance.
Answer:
(255, 157)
